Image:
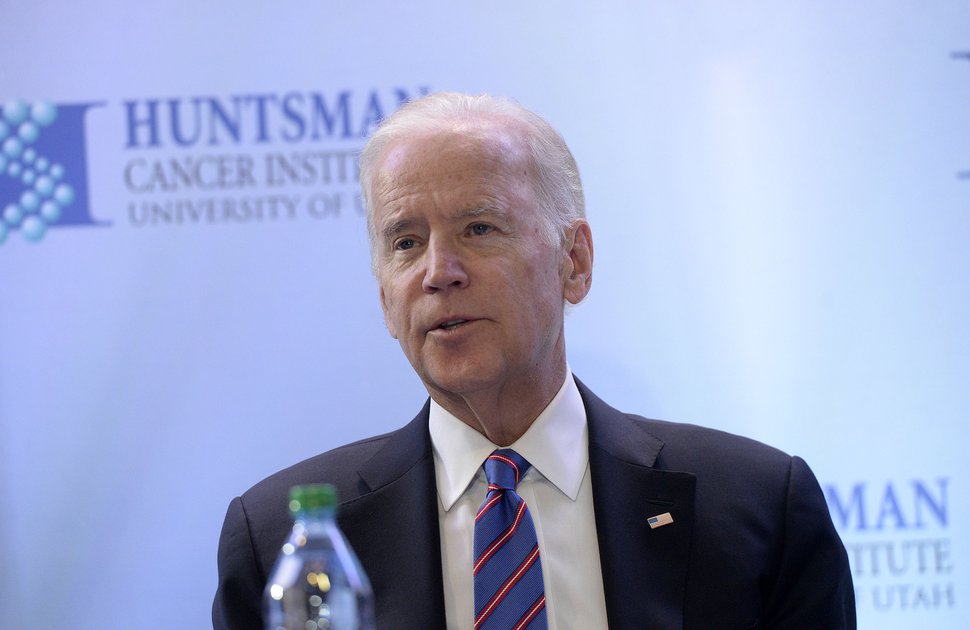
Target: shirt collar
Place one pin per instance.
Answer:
(555, 444)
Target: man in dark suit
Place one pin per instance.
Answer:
(478, 235)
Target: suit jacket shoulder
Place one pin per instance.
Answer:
(751, 543)
(388, 512)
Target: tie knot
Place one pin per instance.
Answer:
(505, 468)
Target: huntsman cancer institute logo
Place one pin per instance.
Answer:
(43, 171)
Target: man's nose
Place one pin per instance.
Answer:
(444, 268)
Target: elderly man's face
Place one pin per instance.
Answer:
(469, 286)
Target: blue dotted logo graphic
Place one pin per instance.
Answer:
(43, 172)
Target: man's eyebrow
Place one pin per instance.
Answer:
(480, 211)
(393, 228)
(475, 211)
(396, 227)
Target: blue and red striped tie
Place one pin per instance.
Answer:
(509, 594)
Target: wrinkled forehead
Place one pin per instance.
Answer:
(489, 146)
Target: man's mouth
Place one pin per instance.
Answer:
(452, 324)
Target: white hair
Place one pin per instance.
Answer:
(558, 188)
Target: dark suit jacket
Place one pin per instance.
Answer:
(751, 546)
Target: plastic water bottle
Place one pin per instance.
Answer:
(317, 582)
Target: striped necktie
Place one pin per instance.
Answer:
(509, 594)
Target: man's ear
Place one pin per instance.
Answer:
(578, 262)
(387, 318)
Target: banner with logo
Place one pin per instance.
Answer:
(780, 203)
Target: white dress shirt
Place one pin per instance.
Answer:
(559, 494)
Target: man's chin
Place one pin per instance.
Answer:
(460, 381)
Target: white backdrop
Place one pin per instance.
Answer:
(780, 201)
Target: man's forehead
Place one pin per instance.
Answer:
(490, 140)
(463, 170)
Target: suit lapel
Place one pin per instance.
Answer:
(394, 528)
(644, 568)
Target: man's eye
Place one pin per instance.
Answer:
(404, 243)
(479, 229)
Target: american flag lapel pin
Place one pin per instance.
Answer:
(660, 520)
